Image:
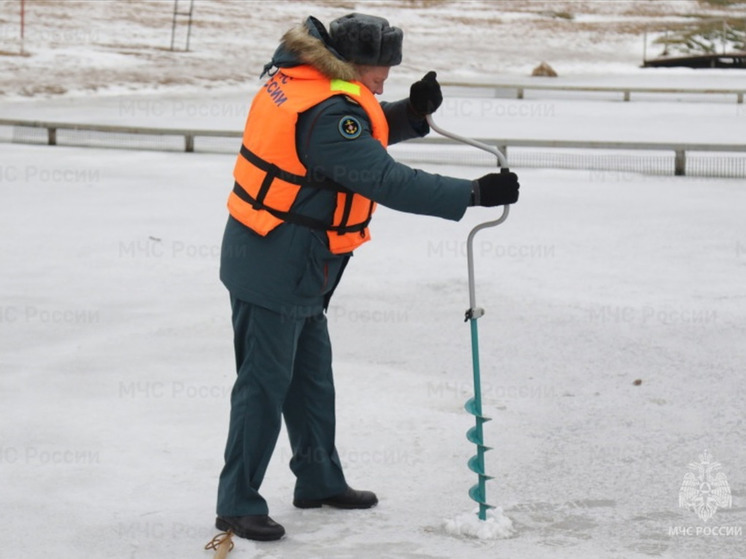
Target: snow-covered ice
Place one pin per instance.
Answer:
(612, 345)
(117, 363)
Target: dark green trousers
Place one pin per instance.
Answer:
(284, 365)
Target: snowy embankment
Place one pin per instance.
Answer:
(79, 47)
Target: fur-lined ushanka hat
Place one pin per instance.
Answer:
(368, 40)
(352, 39)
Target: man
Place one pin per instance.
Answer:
(311, 169)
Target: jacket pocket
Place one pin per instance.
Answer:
(322, 269)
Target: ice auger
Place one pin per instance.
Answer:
(475, 435)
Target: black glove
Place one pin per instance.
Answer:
(425, 96)
(495, 189)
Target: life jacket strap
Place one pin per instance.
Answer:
(297, 218)
(272, 172)
(300, 180)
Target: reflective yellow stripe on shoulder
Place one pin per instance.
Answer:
(347, 87)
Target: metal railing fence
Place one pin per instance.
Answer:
(664, 158)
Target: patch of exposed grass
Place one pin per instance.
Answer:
(14, 53)
(719, 3)
(707, 37)
(561, 15)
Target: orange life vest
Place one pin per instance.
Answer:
(268, 173)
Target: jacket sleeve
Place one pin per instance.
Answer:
(403, 123)
(364, 166)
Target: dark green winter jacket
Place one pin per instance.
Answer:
(291, 270)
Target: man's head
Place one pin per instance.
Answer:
(370, 44)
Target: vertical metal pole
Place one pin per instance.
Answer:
(189, 24)
(679, 163)
(173, 24)
(23, 22)
(725, 35)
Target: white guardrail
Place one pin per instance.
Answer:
(626, 92)
(190, 135)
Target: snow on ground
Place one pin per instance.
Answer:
(612, 345)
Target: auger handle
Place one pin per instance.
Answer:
(502, 162)
(501, 159)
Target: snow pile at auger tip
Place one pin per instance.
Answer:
(494, 527)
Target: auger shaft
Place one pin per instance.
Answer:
(478, 492)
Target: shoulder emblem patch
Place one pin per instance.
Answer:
(349, 127)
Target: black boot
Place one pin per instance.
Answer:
(254, 527)
(350, 499)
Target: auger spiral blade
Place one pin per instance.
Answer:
(473, 437)
(478, 492)
(476, 465)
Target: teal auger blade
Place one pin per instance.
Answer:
(475, 434)
(474, 437)
(476, 465)
(477, 495)
(472, 407)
